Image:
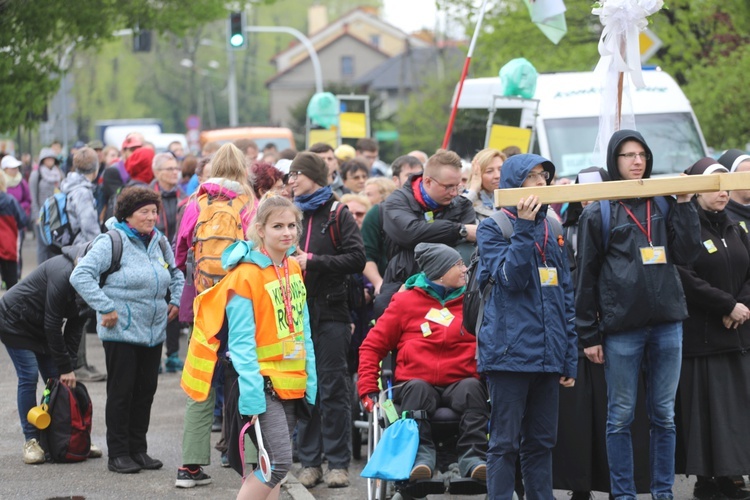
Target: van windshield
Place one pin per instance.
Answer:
(672, 137)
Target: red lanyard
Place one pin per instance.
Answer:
(286, 290)
(646, 232)
(541, 249)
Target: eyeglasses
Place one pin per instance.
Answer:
(170, 169)
(447, 187)
(542, 175)
(293, 175)
(632, 156)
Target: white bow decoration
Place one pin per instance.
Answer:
(619, 48)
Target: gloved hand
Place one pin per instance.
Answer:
(369, 401)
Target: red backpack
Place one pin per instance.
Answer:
(68, 437)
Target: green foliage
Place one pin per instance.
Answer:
(37, 37)
(422, 121)
(720, 105)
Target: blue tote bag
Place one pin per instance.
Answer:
(394, 455)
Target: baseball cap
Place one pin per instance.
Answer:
(10, 161)
(131, 142)
(96, 144)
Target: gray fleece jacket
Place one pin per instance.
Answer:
(137, 291)
(81, 207)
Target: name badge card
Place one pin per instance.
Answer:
(548, 276)
(653, 255)
(440, 316)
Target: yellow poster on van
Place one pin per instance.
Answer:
(502, 136)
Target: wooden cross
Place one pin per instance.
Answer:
(620, 190)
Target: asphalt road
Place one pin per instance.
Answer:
(91, 480)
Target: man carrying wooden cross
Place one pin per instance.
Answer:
(630, 306)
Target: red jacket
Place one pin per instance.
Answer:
(441, 357)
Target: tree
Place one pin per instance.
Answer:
(37, 38)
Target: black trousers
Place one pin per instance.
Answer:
(132, 375)
(173, 336)
(468, 398)
(9, 272)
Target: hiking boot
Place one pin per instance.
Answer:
(123, 465)
(95, 451)
(310, 476)
(173, 364)
(187, 478)
(337, 478)
(32, 452)
(216, 425)
(479, 472)
(89, 374)
(146, 462)
(423, 471)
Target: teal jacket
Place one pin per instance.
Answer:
(137, 291)
(241, 314)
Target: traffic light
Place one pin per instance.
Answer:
(236, 35)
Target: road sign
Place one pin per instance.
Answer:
(650, 44)
(193, 122)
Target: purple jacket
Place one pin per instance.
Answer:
(23, 195)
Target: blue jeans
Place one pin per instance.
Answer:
(523, 417)
(658, 351)
(28, 366)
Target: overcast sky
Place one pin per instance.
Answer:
(410, 15)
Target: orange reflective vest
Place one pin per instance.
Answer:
(280, 355)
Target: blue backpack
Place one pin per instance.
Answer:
(54, 224)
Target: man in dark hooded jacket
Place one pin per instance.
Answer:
(527, 345)
(630, 306)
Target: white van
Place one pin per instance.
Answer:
(567, 123)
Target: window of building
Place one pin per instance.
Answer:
(375, 40)
(347, 66)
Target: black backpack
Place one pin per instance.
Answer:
(475, 295)
(68, 436)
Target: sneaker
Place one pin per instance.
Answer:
(32, 452)
(95, 451)
(84, 374)
(337, 478)
(173, 364)
(225, 460)
(421, 471)
(310, 476)
(480, 473)
(216, 425)
(187, 478)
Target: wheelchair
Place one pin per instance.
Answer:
(445, 431)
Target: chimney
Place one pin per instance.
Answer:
(317, 18)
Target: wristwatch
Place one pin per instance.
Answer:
(463, 232)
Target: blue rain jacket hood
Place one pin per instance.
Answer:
(517, 168)
(613, 149)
